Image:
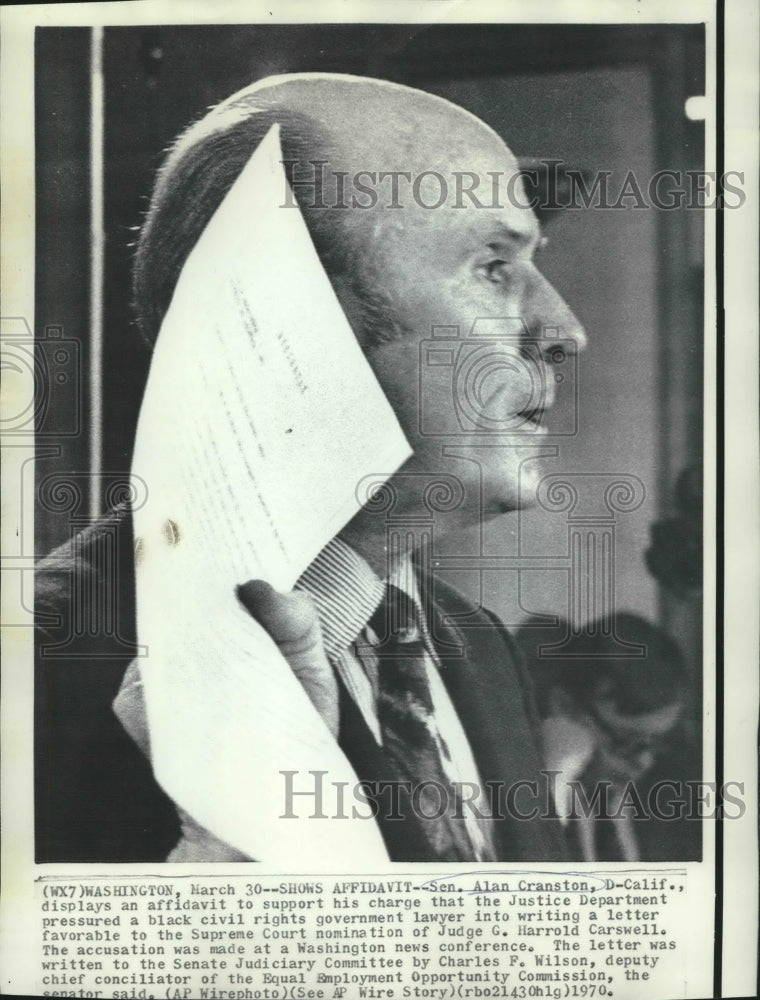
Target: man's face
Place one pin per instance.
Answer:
(628, 745)
(472, 399)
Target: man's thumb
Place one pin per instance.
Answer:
(291, 620)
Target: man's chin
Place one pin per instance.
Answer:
(509, 501)
(500, 506)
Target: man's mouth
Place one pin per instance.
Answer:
(500, 416)
(530, 420)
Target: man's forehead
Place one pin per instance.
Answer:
(501, 226)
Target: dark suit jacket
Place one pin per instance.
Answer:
(96, 799)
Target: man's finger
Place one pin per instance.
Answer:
(291, 620)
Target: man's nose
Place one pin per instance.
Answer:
(549, 316)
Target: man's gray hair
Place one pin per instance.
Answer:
(199, 170)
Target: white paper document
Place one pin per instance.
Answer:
(260, 417)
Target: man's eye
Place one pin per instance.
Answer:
(495, 270)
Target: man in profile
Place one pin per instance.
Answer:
(612, 726)
(370, 639)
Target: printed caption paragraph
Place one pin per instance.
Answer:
(466, 935)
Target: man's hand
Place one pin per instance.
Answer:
(291, 620)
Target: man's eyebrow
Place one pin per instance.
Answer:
(505, 237)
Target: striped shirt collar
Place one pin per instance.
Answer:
(347, 592)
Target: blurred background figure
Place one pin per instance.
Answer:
(614, 724)
(674, 556)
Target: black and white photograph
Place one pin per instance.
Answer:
(371, 504)
(544, 364)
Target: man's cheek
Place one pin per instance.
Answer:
(396, 367)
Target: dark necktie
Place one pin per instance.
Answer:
(410, 740)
